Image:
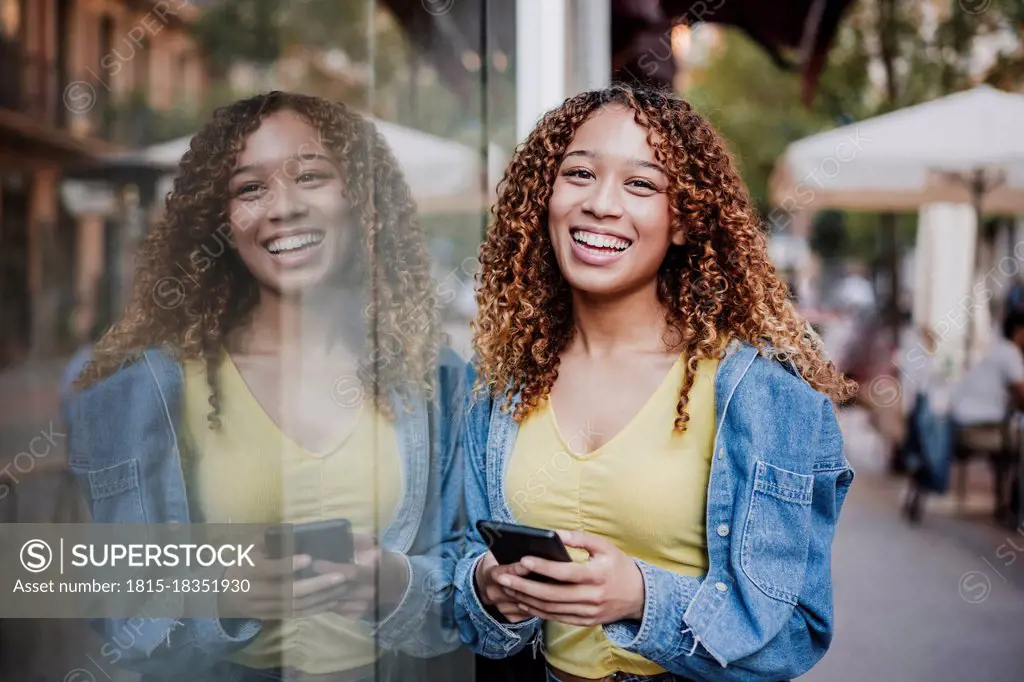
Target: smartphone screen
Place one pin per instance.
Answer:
(329, 540)
(511, 542)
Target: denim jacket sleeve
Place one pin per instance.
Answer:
(480, 631)
(422, 624)
(720, 628)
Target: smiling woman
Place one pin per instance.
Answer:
(627, 304)
(257, 394)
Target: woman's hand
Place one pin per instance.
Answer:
(606, 588)
(489, 573)
(271, 598)
(364, 587)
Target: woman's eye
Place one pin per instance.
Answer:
(643, 184)
(248, 189)
(312, 176)
(578, 173)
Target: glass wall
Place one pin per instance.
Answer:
(226, 307)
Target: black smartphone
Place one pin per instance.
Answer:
(330, 540)
(510, 542)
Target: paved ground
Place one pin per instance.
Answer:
(940, 602)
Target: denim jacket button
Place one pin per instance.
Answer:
(720, 586)
(723, 530)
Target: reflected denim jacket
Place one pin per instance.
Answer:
(763, 610)
(124, 451)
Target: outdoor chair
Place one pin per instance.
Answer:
(1000, 444)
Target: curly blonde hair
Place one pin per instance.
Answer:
(718, 285)
(215, 296)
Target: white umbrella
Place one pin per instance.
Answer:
(963, 148)
(966, 148)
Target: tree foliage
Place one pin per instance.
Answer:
(888, 54)
(754, 105)
(240, 30)
(388, 75)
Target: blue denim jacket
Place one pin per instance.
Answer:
(778, 481)
(124, 450)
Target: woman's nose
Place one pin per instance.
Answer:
(603, 201)
(283, 202)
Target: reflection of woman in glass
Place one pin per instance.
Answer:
(695, 458)
(279, 362)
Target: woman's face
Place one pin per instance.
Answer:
(608, 215)
(289, 218)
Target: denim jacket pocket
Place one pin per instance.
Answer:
(777, 531)
(116, 494)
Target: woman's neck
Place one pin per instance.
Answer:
(302, 325)
(630, 323)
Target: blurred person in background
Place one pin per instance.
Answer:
(280, 363)
(626, 285)
(983, 404)
(1014, 301)
(855, 292)
(925, 450)
(860, 342)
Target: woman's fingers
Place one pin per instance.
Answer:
(539, 590)
(512, 612)
(558, 618)
(307, 586)
(562, 571)
(593, 544)
(350, 571)
(581, 609)
(496, 595)
(499, 599)
(320, 598)
(495, 572)
(489, 576)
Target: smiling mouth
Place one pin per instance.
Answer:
(294, 243)
(599, 243)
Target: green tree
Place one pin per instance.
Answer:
(916, 50)
(919, 49)
(240, 31)
(754, 105)
(385, 68)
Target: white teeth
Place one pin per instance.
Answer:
(600, 241)
(294, 242)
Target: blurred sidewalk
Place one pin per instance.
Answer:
(938, 602)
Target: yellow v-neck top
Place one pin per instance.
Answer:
(249, 471)
(645, 490)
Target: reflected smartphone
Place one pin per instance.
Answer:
(330, 540)
(510, 542)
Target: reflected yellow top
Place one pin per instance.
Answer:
(248, 471)
(645, 490)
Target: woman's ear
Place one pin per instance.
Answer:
(679, 237)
